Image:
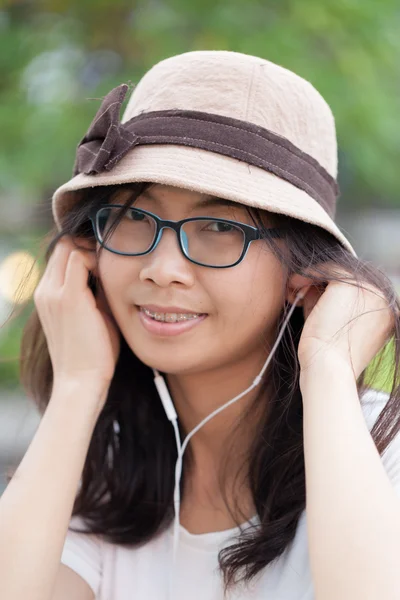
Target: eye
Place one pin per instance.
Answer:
(136, 216)
(219, 227)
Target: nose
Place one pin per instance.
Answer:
(166, 264)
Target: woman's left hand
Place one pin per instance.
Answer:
(326, 329)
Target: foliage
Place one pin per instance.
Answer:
(54, 54)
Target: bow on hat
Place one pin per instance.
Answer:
(107, 139)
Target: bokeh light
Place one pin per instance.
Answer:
(19, 276)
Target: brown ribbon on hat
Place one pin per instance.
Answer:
(108, 140)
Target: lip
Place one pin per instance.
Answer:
(162, 328)
(167, 309)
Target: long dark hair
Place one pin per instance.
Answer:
(126, 492)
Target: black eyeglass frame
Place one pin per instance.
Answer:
(251, 233)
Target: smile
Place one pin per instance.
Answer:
(166, 324)
(170, 317)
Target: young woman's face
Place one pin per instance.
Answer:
(239, 306)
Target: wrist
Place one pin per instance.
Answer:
(327, 365)
(94, 390)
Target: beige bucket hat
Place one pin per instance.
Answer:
(221, 123)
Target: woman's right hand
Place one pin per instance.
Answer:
(82, 336)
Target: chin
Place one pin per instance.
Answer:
(166, 362)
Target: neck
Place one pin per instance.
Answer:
(214, 451)
(197, 395)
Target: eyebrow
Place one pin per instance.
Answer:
(206, 202)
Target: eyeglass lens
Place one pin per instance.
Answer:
(207, 241)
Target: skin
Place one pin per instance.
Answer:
(352, 507)
(216, 360)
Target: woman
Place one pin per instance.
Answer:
(195, 260)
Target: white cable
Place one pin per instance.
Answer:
(172, 416)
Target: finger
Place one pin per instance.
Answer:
(55, 270)
(57, 265)
(77, 270)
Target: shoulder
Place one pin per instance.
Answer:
(83, 552)
(372, 403)
(78, 528)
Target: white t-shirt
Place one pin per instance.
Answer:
(118, 573)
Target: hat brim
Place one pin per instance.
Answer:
(204, 172)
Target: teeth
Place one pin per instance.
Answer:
(170, 317)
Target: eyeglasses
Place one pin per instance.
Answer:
(205, 241)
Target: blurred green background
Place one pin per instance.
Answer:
(59, 57)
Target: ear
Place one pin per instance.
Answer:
(295, 284)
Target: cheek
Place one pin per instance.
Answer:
(117, 277)
(250, 296)
(108, 271)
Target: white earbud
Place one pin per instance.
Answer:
(300, 295)
(165, 397)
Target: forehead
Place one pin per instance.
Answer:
(198, 201)
(184, 202)
(164, 194)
